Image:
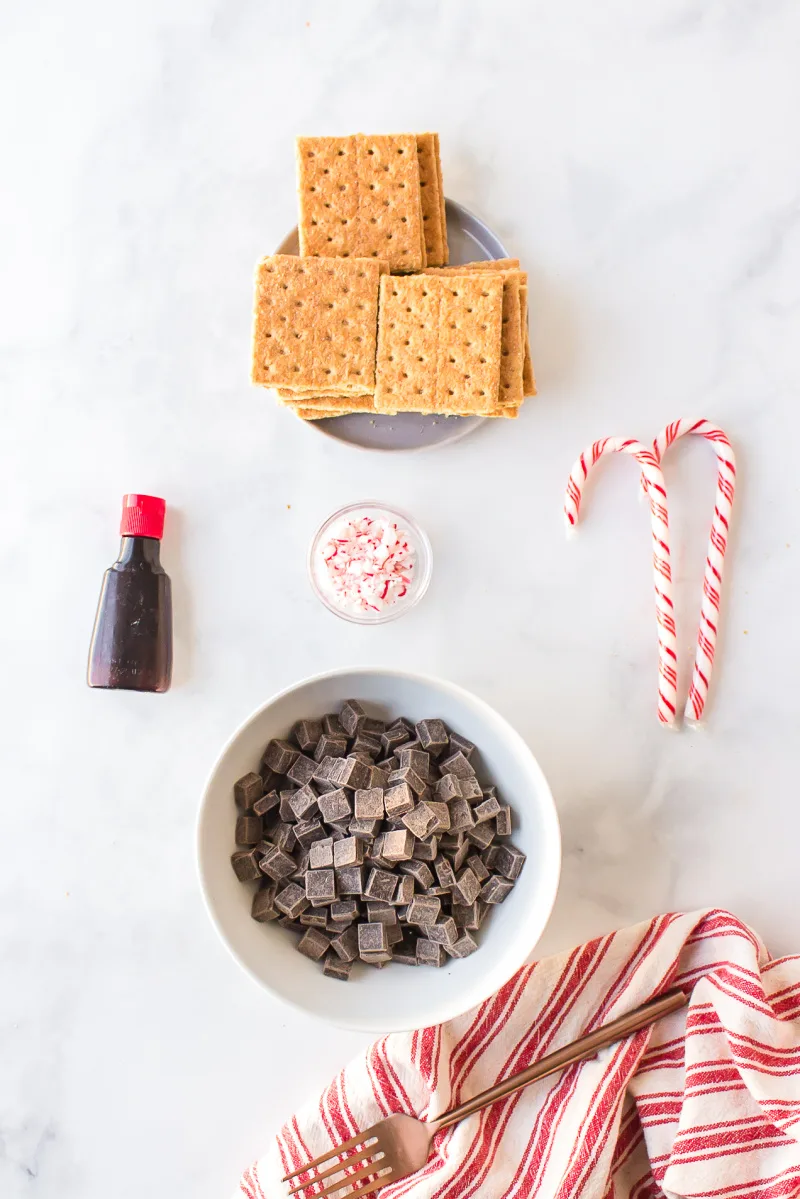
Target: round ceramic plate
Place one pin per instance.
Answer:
(469, 241)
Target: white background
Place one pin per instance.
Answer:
(641, 160)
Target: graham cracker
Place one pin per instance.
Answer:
(528, 380)
(315, 323)
(431, 201)
(442, 206)
(485, 264)
(510, 390)
(439, 344)
(360, 197)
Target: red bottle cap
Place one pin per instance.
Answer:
(142, 516)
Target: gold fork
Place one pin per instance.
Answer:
(398, 1146)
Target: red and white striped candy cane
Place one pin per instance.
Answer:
(662, 571)
(715, 556)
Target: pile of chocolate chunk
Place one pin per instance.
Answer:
(374, 841)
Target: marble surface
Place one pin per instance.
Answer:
(641, 160)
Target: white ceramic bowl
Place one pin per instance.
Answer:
(399, 997)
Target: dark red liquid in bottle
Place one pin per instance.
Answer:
(131, 647)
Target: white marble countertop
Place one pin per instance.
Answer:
(641, 160)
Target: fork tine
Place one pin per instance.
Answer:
(366, 1135)
(352, 1160)
(383, 1181)
(349, 1179)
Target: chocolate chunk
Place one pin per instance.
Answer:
(267, 803)
(315, 918)
(269, 778)
(381, 913)
(447, 787)
(394, 934)
(285, 809)
(443, 932)
(398, 800)
(283, 836)
(378, 777)
(302, 770)
(315, 944)
(422, 874)
(432, 736)
(334, 806)
(420, 820)
(320, 854)
(489, 857)
(405, 890)
(461, 854)
(510, 861)
(306, 734)
(345, 944)
(320, 887)
(301, 857)
(404, 774)
(352, 716)
(248, 830)
(380, 885)
(457, 764)
(304, 803)
(366, 743)
(464, 946)
(291, 900)
(398, 846)
(495, 889)
(308, 831)
(466, 916)
(374, 726)
(247, 790)
(348, 852)
(277, 865)
(442, 813)
(450, 842)
(369, 804)
(377, 960)
(486, 810)
(445, 873)
(263, 908)
(503, 821)
(468, 887)
(478, 868)
(416, 760)
(365, 830)
(460, 744)
(245, 865)
(461, 817)
(279, 756)
(351, 773)
(388, 765)
(344, 911)
(481, 835)
(350, 880)
(405, 951)
(424, 910)
(325, 770)
(426, 850)
(334, 967)
(372, 938)
(470, 788)
(392, 737)
(430, 954)
(330, 747)
(332, 725)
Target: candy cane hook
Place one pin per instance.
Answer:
(662, 571)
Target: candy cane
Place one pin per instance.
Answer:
(662, 573)
(715, 557)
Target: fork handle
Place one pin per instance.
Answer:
(578, 1051)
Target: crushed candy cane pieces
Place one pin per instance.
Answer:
(367, 563)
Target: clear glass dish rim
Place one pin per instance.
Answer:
(424, 563)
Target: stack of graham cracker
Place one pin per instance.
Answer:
(370, 318)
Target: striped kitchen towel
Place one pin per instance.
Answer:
(707, 1103)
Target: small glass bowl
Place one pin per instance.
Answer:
(423, 562)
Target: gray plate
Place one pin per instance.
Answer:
(470, 241)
